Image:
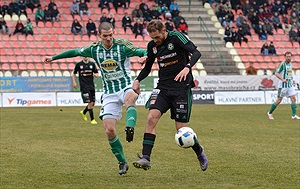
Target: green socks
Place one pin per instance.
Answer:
(294, 109)
(131, 115)
(273, 107)
(117, 149)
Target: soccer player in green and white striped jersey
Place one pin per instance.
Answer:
(285, 86)
(112, 56)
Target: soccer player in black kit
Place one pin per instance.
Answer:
(87, 71)
(173, 91)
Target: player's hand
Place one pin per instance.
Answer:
(136, 87)
(96, 74)
(143, 60)
(48, 59)
(75, 85)
(284, 81)
(182, 75)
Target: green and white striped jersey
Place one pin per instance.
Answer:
(114, 63)
(286, 72)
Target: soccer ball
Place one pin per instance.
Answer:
(185, 137)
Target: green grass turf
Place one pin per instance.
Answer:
(49, 148)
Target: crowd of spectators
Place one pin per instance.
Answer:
(134, 19)
(265, 17)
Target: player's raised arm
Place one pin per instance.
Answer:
(67, 54)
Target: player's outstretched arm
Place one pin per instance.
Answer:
(67, 54)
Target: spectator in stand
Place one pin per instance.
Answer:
(33, 4)
(230, 14)
(146, 13)
(226, 22)
(241, 35)
(19, 27)
(28, 28)
(227, 35)
(260, 30)
(246, 8)
(268, 27)
(145, 32)
(221, 13)
(272, 49)
(167, 14)
(175, 12)
(22, 8)
(227, 5)
(293, 35)
(138, 28)
(103, 18)
(51, 5)
(48, 14)
(111, 19)
(295, 10)
(126, 22)
(91, 28)
(119, 3)
(276, 21)
(104, 4)
(234, 37)
(278, 7)
(142, 5)
(137, 13)
(250, 13)
(239, 20)
(173, 6)
(163, 9)
(77, 27)
(264, 50)
(183, 27)
(155, 14)
(3, 27)
(55, 14)
(177, 19)
(127, 4)
(235, 4)
(5, 9)
(251, 70)
(246, 28)
(74, 8)
(84, 9)
(39, 15)
(255, 6)
(266, 14)
(169, 25)
(288, 5)
(294, 19)
(255, 21)
(14, 8)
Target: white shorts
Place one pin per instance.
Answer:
(286, 92)
(112, 104)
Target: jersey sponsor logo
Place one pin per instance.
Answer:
(170, 46)
(154, 49)
(161, 58)
(114, 76)
(109, 65)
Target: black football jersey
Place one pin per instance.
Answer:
(172, 57)
(86, 75)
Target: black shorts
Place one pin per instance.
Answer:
(88, 96)
(178, 101)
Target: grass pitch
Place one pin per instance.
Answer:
(49, 148)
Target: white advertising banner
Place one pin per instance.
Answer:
(236, 83)
(271, 97)
(28, 99)
(243, 97)
(75, 99)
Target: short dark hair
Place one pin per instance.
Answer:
(155, 25)
(105, 26)
(287, 52)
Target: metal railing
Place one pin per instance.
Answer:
(213, 45)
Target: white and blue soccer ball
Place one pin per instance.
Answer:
(185, 137)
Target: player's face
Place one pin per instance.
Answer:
(158, 37)
(288, 58)
(107, 37)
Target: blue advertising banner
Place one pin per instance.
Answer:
(35, 84)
